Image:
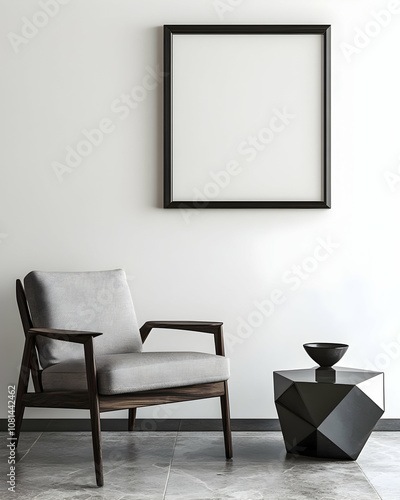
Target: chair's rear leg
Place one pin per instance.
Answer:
(131, 418)
(22, 386)
(226, 422)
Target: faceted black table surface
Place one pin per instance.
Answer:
(328, 412)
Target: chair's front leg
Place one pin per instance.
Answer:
(219, 341)
(131, 419)
(94, 409)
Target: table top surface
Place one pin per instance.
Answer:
(337, 375)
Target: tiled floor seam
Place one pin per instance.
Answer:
(369, 482)
(170, 466)
(29, 449)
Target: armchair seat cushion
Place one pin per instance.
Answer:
(138, 371)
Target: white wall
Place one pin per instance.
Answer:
(106, 212)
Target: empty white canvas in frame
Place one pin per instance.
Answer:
(247, 124)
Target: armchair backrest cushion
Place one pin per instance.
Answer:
(98, 301)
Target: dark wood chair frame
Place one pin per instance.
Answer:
(98, 403)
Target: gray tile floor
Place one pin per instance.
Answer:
(191, 466)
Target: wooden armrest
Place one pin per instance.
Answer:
(195, 326)
(76, 336)
(213, 327)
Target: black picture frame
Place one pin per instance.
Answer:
(171, 32)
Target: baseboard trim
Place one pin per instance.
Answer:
(165, 425)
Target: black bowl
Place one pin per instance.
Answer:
(326, 354)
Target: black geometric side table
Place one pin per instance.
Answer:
(328, 412)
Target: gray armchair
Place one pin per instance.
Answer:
(111, 372)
